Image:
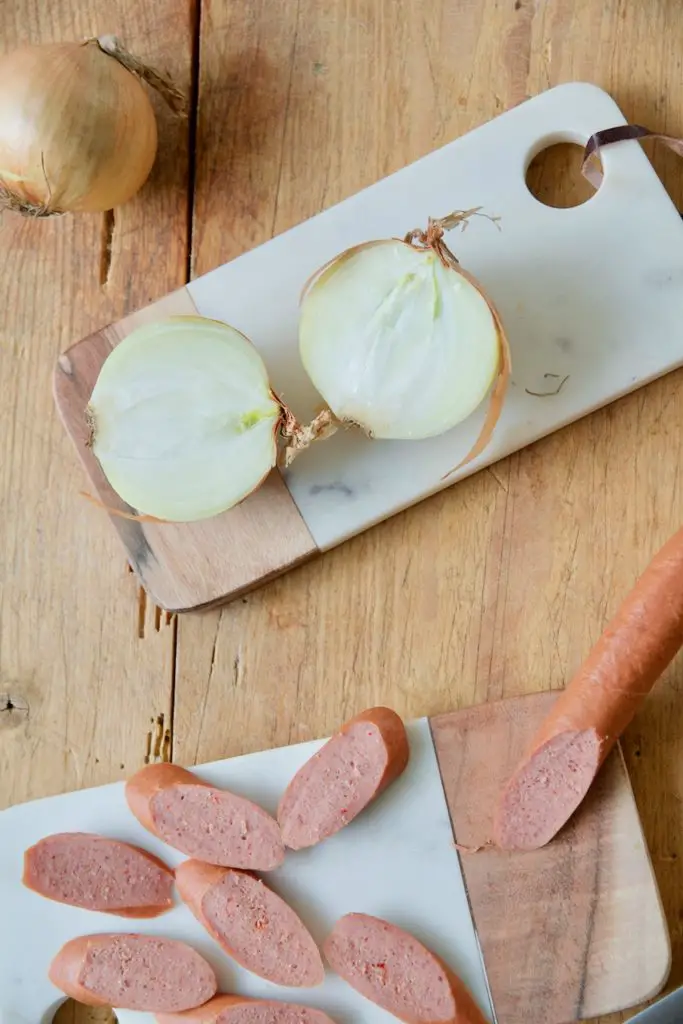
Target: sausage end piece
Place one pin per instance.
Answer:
(596, 706)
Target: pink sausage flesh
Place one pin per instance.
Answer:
(203, 821)
(133, 972)
(218, 827)
(343, 777)
(392, 969)
(252, 923)
(98, 873)
(547, 789)
(241, 1010)
(263, 929)
(595, 708)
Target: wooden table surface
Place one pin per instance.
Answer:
(497, 586)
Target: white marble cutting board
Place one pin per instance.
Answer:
(593, 294)
(372, 866)
(591, 297)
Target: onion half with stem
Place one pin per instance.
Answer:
(183, 420)
(401, 341)
(396, 336)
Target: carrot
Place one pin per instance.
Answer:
(595, 708)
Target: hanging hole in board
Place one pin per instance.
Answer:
(555, 179)
(72, 1012)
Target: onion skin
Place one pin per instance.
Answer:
(500, 387)
(343, 364)
(77, 130)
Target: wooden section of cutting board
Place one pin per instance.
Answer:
(183, 565)
(574, 930)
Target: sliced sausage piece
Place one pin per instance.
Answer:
(343, 777)
(595, 708)
(251, 923)
(203, 821)
(240, 1010)
(392, 969)
(133, 972)
(97, 873)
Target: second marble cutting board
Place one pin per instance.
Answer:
(572, 931)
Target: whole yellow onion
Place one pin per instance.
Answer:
(77, 128)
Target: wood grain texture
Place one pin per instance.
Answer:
(182, 565)
(498, 586)
(556, 927)
(86, 661)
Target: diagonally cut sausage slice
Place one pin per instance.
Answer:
(241, 1010)
(98, 873)
(343, 777)
(203, 821)
(251, 923)
(595, 708)
(133, 972)
(392, 969)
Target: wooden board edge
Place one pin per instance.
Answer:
(150, 547)
(595, 999)
(249, 588)
(662, 972)
(176, 302)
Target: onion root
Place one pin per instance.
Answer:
(299, 437)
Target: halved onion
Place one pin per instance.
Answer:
(400, 340)
(395, 335)
(184, 422)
